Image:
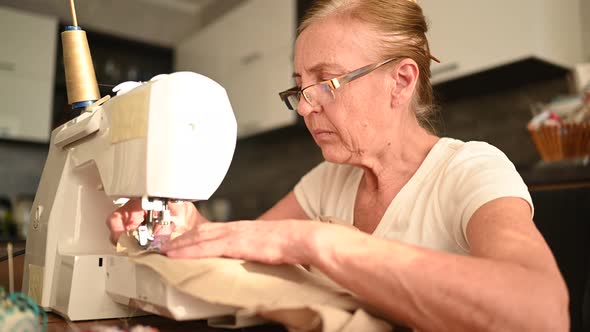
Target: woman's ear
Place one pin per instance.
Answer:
(405, 77)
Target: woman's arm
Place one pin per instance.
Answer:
(510, 283)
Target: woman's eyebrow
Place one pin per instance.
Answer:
(325, 66)
(322, 67)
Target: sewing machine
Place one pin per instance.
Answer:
(172, 138)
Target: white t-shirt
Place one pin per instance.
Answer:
(433, 208)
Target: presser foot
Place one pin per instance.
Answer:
(144, 236)
(148, 241)
(157, 213)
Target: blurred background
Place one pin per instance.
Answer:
(502, 63)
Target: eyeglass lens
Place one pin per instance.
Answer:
(293, 100)
(319, 94)
(315, 95)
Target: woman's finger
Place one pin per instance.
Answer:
(202, 249)
(201, 233)
(125, 218)
(116, 227)
(132, 214)
(185, 215)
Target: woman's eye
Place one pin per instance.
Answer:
(328, 77)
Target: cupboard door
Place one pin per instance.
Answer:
(471, 36)
(28, 43)
(25, 108)
(27, 69)
(249, 52)
(253, 88)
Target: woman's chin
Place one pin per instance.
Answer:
(330, 154)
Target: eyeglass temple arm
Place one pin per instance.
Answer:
(286, 93)
(338, 81)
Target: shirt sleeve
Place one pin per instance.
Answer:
(308, 190)
(478, 174)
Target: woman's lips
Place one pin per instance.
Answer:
(322, 134)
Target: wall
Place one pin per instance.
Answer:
(265, 168)
(500, 118)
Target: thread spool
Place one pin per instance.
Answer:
(81, 82)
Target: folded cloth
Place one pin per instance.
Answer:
(286, 294)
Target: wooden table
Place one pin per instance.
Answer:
(56, 323)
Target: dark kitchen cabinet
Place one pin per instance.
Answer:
(562, 215)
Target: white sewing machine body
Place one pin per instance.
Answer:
(171, 138)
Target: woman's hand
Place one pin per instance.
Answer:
(271, 242)
(131, 215)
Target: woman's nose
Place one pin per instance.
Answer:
(304, 108)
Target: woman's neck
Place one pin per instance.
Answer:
(391, 169)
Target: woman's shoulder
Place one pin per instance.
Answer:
(457, 152)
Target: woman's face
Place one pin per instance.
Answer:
(356, 123)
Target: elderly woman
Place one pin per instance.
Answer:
(442, 236)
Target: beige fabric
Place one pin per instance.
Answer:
(286, 294)
(433, 209)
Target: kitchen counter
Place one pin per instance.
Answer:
(561, 174)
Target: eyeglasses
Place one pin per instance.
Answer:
(321, 93)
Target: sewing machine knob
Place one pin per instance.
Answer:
(37, 217)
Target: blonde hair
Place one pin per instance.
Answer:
(400, 29)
